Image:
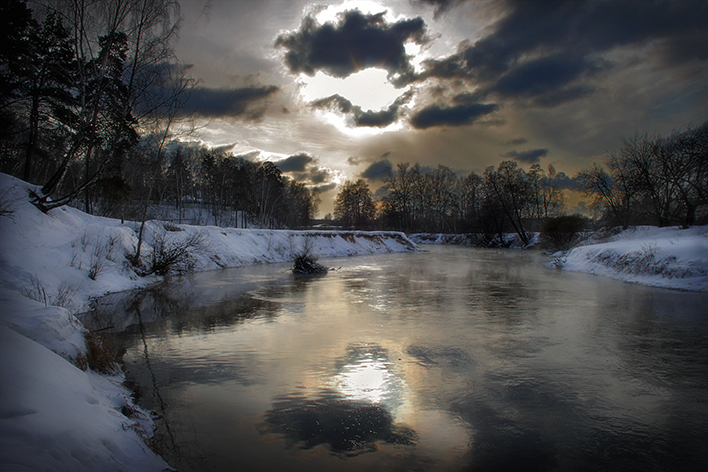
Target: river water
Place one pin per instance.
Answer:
(449, 359)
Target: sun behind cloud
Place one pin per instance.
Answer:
(369, 88)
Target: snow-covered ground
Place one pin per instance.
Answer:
(670, 257)
(57, 416)
(661, 257)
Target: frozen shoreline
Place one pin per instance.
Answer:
(54, 415)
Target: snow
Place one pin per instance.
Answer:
(54, 415)
(671, 257)
(57, 417)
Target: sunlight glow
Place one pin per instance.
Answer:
(369, 88)
(329, 14)
(345, 125)
(368, 380)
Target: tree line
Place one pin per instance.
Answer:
(92, 106)
(504, 199)
(649, 180)
(652, 180)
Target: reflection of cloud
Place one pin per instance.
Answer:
(330, 419)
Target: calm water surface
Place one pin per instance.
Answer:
(450, 359)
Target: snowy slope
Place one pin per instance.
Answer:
(54, 415)
(661, 257)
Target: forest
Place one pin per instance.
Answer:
(93, 110)
(651, 180)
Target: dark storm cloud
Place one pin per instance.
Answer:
(543, 75)
(565, 182)
(295, 163)
(313, 176)
(547, 51)
(459, 115)
(324, 188)
(304, 168)
(532, 156)
(244, 102)
(370, 118)
(377, 170)
(356, 42)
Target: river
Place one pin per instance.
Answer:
(448, 359)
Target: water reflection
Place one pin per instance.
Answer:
(365, 375)
(342, 424)
(433, 356)
(451, 360)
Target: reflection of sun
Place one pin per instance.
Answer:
(367, 380)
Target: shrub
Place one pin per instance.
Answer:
(173, 255)
(63, 297)
(100, 355)
(305, 265)
(560, 233)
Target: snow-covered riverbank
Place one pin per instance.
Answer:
(669, 257)
(54, 415)
(660, 257)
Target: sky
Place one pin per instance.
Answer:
(339, 91)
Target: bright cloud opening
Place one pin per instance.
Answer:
(369, 88)
(329, 14)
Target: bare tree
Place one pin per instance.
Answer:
(508, 183)
(354, 206)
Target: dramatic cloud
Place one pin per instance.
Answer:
(546, 77)
(377, 170)
(571, 76)
(531, 156)
(356, 42)
(451, 116)
(305, 168)
(324, 188)
(295, 163)
(244, 102)
(547, 51)
(370, 118)
(566, 183)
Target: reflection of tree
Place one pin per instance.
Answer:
(345, 426)
(155, 388)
